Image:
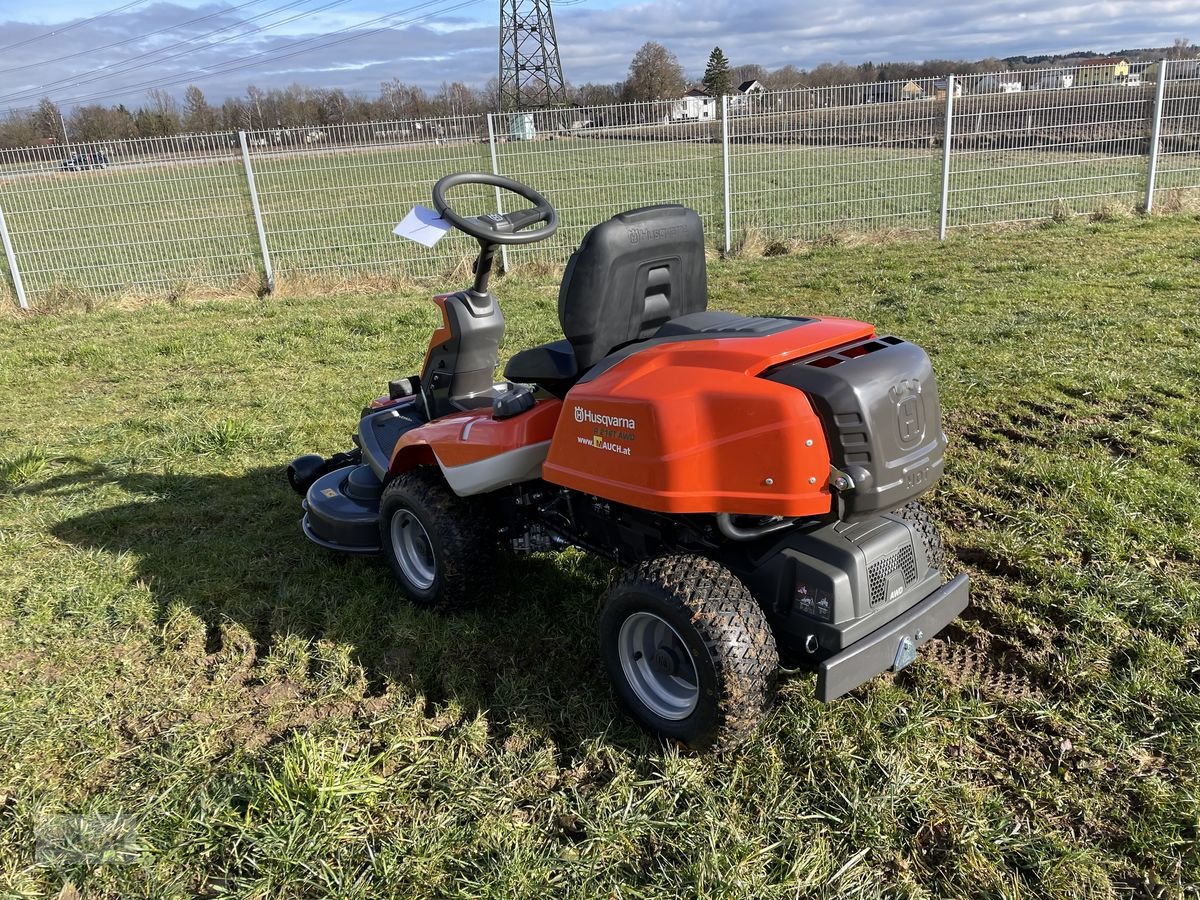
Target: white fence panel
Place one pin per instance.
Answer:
(330, 196)
(816, 161)
(1177, 186)
(1047, 143)
(145, 216)
(594, 162)
(175, 214)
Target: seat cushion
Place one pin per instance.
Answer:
(547, 364)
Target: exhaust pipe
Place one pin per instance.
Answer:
(735, 533)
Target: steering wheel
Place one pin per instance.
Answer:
(498, 228)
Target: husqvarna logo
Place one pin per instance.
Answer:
(586, 415)
(910, 412)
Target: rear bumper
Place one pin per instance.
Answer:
(881, 650)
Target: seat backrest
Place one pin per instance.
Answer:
(629, 276)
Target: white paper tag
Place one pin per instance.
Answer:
(423, 225)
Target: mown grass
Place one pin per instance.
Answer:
(255, 718)
(157, 227)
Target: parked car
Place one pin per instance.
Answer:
(83, 161)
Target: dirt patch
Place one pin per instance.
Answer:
(966, 663)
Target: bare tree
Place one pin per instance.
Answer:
(654, 74)
(197, 114)
(48, 122)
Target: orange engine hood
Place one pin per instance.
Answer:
(688, 427)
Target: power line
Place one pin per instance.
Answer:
(122, 67)
(73, 25)
(317, 43)
(140, 37)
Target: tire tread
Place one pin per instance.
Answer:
(732, 625)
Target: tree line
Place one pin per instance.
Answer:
(655, 73)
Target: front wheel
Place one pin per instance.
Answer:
(689, 651)
(438, 544)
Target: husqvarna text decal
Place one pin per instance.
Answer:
(611, 433)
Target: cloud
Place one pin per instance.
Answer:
(597, 41)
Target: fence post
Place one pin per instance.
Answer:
(499, 196)
(258, 219)
(1155, 131)
(725, 166)
(947, 137)
(18, 285)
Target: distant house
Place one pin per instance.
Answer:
(694, 106)
(998, 84)
(890, 92)
(1108, 70)
(746, 97)
(1053, 81)
(939, 88)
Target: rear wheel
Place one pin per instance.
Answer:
(689, 651)
(438, 544)
(920, 518)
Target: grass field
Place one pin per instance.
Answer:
(149, 226)
(248, 716)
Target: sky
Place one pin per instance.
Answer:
(49, 47)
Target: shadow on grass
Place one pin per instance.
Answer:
(230, 549)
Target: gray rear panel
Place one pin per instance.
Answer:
(879, 403)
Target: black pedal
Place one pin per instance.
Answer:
(513, 403)
(403, 387)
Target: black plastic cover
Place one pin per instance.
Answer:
(629, 276)
(462, 366)
(726, 324)
(551, 364)
(879, 403)
(379, 430)
(516, 401)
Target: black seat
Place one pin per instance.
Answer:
(630, 275)
(550, 365)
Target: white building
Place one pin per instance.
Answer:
(694, 106)
(743, 98)
(1053, 81)
(999, 84)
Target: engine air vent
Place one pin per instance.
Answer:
(880, 572)
(854, 351)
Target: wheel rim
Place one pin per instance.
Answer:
(658, 666)
(413, 549)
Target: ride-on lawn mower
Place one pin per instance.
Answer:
(756, 477)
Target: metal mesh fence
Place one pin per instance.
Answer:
(1046, 143)
(808, 162)
(330, 196)
(166, 215)
(152, 215)
(594, 162)
(1177, 185)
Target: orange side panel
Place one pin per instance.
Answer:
(441, 334)
(472, 436)
(687, 427)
